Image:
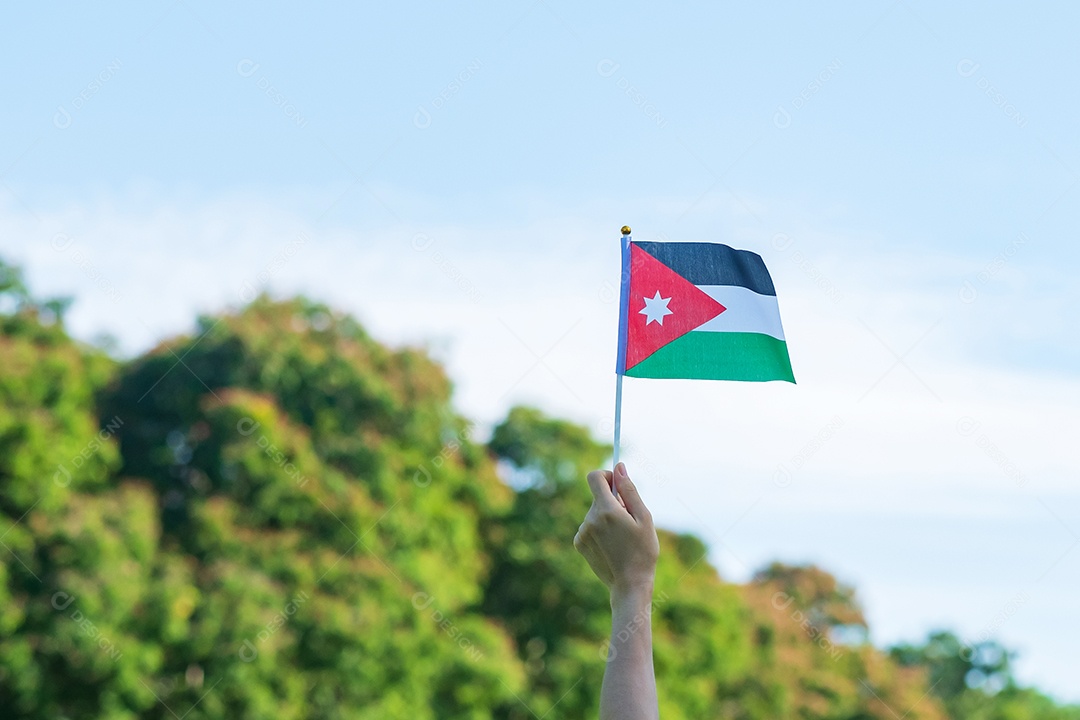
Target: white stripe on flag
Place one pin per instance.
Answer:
(746, 311)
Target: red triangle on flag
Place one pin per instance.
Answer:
(663, 306)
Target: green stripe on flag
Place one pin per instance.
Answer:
(718, 356)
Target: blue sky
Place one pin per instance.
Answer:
(456, 176)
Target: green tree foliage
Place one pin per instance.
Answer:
(539, 589)
(78, 549)
(814, 664)
(277, 516)
(975, 681)
(321, 488)
(826, 602)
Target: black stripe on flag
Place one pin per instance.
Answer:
(713, 264)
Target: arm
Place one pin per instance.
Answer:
(619, 542)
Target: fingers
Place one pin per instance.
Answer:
(600, 485)
(629, 494)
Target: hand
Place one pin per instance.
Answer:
(617, 537)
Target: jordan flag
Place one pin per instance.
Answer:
(699, 310)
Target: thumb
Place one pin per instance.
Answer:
(628, 492)
(600, 486)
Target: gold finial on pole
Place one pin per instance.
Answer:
(625, 229)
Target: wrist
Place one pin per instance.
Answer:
(633, 594)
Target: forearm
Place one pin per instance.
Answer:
(629, 689)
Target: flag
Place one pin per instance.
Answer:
(699, 310)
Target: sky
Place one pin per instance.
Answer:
(455, 176)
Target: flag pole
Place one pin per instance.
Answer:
(624, 283)
(618, 420)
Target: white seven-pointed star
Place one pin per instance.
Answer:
(655, 309)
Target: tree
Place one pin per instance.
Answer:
(975, 681)
(279, 516)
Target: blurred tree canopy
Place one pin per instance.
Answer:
(277, 516)
(975, 681)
